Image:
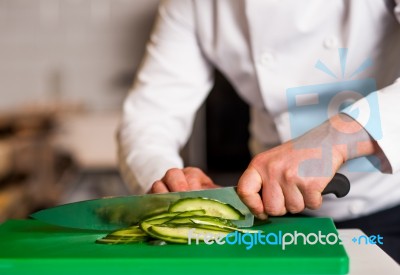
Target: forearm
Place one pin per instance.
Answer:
(173, 81)
(141, 163)
(331, 144)
(350, 139)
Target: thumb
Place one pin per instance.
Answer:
(249, 186)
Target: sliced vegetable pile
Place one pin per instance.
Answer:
(201, 216)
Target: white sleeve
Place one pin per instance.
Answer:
(382, 123)
(173, 81)
(397, 10)
(386, 129)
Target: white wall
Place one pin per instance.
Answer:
(76, 50)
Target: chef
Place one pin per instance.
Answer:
(322, 77)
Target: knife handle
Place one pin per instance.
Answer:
(339, 185)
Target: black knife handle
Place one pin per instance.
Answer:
(339, 185)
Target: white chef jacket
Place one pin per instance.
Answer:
(264, 47)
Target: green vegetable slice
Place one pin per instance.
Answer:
(211, 207)
(121, 240)
(181, 234)
(175, 214)
(194, 218)
(165, 217)
(210, 219)
(203, 222)
(132, 234)
(133, 231)
(146, 224)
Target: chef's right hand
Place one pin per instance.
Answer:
(186, 179)
(285, 185)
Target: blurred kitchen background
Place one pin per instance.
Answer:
(65, 68)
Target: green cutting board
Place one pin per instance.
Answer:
(32, 247)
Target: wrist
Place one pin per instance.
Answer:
(349, 139)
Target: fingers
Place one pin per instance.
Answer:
(290, 195)
(159, 187)
(249, 185)
(281, 192)
(197, 179)
(312, 196)
(273, 198)
(175, 180)
(179, 180)
(315, 202)
(293, 198)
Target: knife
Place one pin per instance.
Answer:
(119, 212)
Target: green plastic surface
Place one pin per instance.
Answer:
(32, 247)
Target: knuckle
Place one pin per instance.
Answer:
(194, 174)
(291, 176)
(242, 190)
(181, 185)
(175, 180)
(274, 211)
(261, 161)
(192, 169)
(295, 208)
(192, 177)
(257, 160)
(314, 202)
(171, 172)
(309, 189)
(274, 168)
(294, 200)
(303, 186)
(156, 186)
(269, 166)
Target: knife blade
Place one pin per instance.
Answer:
(119, 212)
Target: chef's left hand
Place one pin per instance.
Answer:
(185, 179)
